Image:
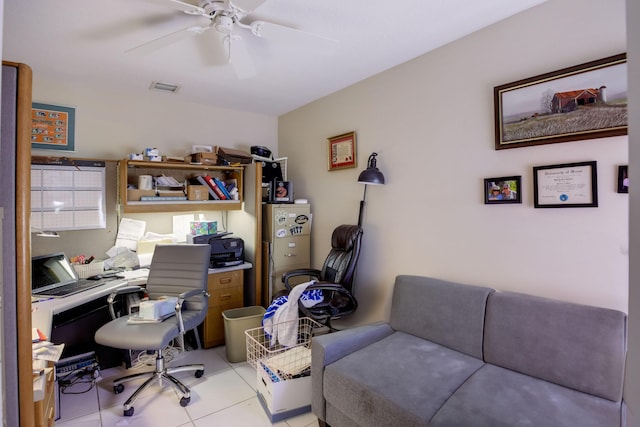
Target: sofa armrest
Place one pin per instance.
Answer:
(326, 349)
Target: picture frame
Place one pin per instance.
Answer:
(341, 151)
(576, 103)
(569, 185)
(502, 190)
(282, 191)
(623, 179)
(52, 127)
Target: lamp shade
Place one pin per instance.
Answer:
(371, 175)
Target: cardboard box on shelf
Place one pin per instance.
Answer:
(197, 192)
(202, 158)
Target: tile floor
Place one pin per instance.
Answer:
(224, 397)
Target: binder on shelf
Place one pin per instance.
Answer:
(215, 187)
(221, 185)
(201, 179)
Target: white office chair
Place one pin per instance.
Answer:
(179, 271)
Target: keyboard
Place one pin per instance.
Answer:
(72, 288)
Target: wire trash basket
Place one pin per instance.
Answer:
(280, 362)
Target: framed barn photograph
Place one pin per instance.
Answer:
(502, 190)
(576, 103)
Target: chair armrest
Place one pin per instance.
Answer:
(299, 272)
(183, 296)
(326, 349)
(326, 286)
(123, 290)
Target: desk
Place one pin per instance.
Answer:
(42, 312)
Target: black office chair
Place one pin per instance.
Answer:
(335, 279)
(176, 271)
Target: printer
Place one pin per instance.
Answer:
(225, 251)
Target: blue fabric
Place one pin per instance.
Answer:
(308, 298)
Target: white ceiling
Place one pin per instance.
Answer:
(85, 41)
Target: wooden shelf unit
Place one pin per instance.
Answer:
(130, 171)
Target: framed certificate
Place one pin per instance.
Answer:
(570, 185)
(342, 151)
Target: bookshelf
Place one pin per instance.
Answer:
(131, 170)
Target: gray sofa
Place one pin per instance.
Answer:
(459, 355)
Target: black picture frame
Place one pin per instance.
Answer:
(576, 103)
(509, 190)
(623, 179)
(567, 185)
(282, 191)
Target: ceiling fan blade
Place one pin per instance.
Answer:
(188, 8)
(246, 5)
(213, 49)
(239, 57)
(167, 40)
(291, 36)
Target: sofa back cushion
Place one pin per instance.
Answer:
(573, 345)
(447, 313)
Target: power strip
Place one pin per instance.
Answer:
(82, 361)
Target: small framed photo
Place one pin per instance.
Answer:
(569, 185)
(282, 191)
(623, 179)
(501, 190)
(342, 151)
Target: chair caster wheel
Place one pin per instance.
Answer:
(199, 373)
(128, 412)
(117, 389)
(185, 401)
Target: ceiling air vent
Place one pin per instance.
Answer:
(164, 87)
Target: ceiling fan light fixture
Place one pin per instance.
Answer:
(223, 24)
(164, 87)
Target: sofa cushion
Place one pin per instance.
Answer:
(498, 397)
(400, 380)
(447, 313)
(573, 345)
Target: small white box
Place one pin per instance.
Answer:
(157, 309)
(283, 399)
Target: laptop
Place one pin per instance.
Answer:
(53, 276)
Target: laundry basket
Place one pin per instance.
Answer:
(283, 373)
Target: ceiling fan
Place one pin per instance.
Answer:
(225, 18)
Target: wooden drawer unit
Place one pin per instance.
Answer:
(225, 292)
(44, 409)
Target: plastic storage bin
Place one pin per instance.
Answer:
(236, 321)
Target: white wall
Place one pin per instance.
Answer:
(110, 124)
(431, 121)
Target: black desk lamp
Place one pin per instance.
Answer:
(371, 175)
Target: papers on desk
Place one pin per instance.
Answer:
(129, 232)
(45, 350)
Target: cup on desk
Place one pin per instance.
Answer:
(145, 182)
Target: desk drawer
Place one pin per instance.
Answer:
(225, 296)
(225, 292)
(224, 280)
